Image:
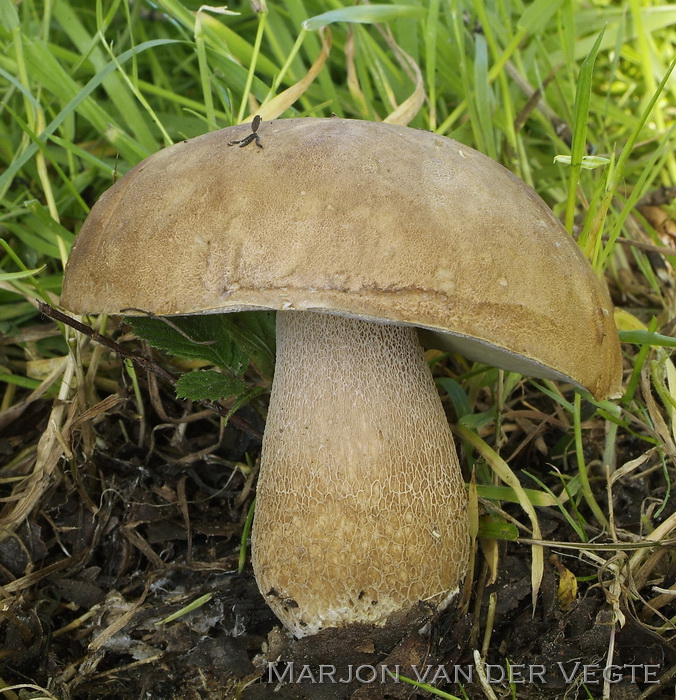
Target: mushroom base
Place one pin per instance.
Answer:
(361, 509)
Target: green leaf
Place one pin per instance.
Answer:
(494, 492)
(363, 14)
(482, 95)
(208, 384)
(537, 14)
(121, 97)
(587, 163)
(201, 337)
(8, 15)
(581, 112)
(475, 421)
(647, 338)
(6, 276)
(496, 529)
(84, 105)
(246, 531)
(254, 332)
(198, 603)
(425, 686)
(457, 395)
(49, 228)
(18, 380)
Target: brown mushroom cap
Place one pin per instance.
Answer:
(355, 218)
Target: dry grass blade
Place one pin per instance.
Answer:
(10, 414)
(50, 451)
(502, 470)
(280, 103)
(409, 108)
(114, 627)
(352, 76)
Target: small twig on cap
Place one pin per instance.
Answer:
(253, 136)
(144, 363)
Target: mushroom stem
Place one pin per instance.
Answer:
(361, 507)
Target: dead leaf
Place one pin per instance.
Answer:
(567, 590)
(280, 103)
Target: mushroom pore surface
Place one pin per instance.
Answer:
(361, 507)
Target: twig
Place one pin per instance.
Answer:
(143, 362)
(171, 324)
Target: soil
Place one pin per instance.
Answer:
(146, 516)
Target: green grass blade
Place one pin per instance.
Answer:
(581, 117)
(129, 149)
(364, 14)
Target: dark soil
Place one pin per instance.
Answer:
(141, 525)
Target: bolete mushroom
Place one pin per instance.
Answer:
(358, 234)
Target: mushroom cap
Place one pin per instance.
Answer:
(375, 221)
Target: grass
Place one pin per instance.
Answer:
(575, 98)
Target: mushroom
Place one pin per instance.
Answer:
(361, 235)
